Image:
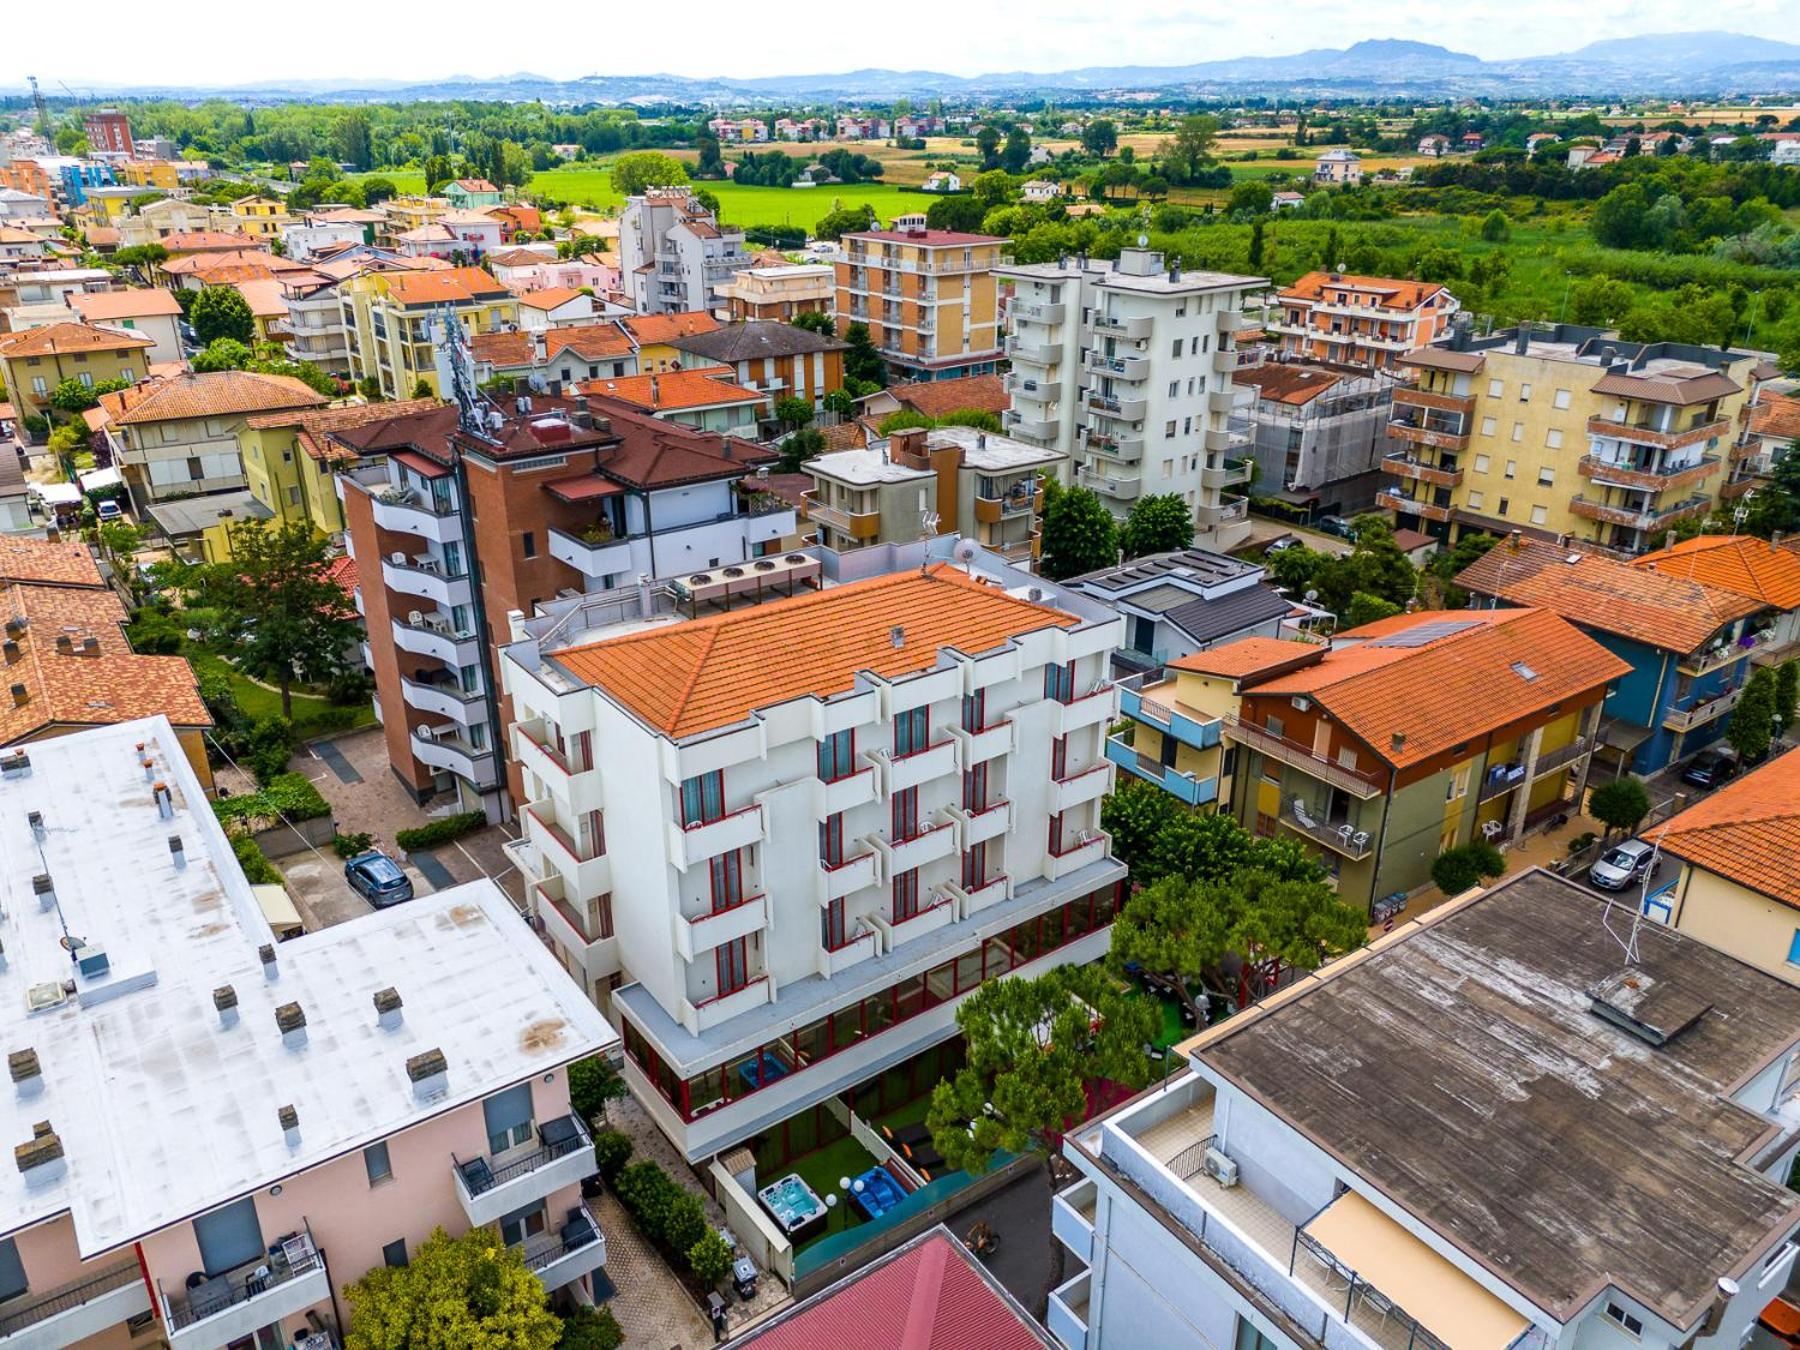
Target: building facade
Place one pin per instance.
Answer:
(929, 298)
(779, 293)
(673, 255)
(1360, 321)
(1318, 433)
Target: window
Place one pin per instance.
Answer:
(1512, 467)
(1539, 515)
(1059, 682)
(906, 813)
(1175, 385)
(1168, 429)
(975, 786)
(1249, 1338)
(732, 964)
(1495, 388)
(1481, 464)
(831, 839)
(831, 926)
(1562, 398)
(1546, 476)
(906, 895)
(974, 866)
(912, 731)
(87, 379)
(1633, 1325)
(1177, 351)
(376, 1163)
(522, 1223)
(974, 711)
(530, 544)
(1553, 438)
(1518, 432)
(1794, 949)
(229, 1237)
(836, 754)
(703, 798)
(1505, 504)
(1524, 393)
(725, 874)
(1476, 498)
(1487, 426)
(394, 1254)
(508, 1117)
(12, 1271)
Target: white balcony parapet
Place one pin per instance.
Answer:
(698, 936)
(489, 1187)
(691, 845)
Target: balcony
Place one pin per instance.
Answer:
(1642, 433)
(491, 1186)
(599, 557)
(1085, 785)
(1186, 787)
(1230, 511)
(1638, 519)
(424, 576)
(710, 1012)
(1018, 424)
(1407, 396)
(1393, 499)
(1121, 485)
(234, 1305)
(1117, 444)
(577, 1249)
(1301, 757)
(70, 1313)
(1033, 353)
(1087, 710)
(1499, 780)
(852, 524)
(405, 511)
(938, 910)
(1133, 368)
(1117, 409)
(1721, 654)
(580, 792)
(1560, 758)
(1153, 703)
(1136, 328)
(1686, 719)
(1066, 1315)
(979, 747)
(899, 772)
(862, 945)
(1341, 837)
(691, 845)
(837, 880)
(1020, 500)
(975, 826)
(971, 900)
(1072, 1218)
(1400, 465)
(1229, 474)
(1038, 311)
(1221, 401)
(1435, 431)
(444, 698)
(586, 874)
(843, 794)
(696, 937)
(1088, 847)
(931, 843)
(1606, 473)
(442, 748)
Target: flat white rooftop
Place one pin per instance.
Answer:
(163, 1109)
(863, 468)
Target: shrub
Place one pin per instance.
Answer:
(287, 796)
(1619, 804)
(351, 845)
(440, 831)
(1458, 869)
(612, 1150)
(257, 868)
(646, 1192)
(685, 1224)
(271, 744)
(326, 719)
(709, 1258)
(155, 634)
(593, 1082)
(1582, 841)
(350, 685)
(591, 1329)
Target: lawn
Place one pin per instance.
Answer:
(258, 702)
(589, 185)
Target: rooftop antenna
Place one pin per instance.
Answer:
(928, 528)
(472, 405)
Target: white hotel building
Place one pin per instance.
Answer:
(1492, 1129)
(1126, 368)
(782, 841)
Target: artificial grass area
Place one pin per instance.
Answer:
(1173, 1029)
(822, 1169)
(912, 1113)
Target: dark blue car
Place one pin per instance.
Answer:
(378, 879)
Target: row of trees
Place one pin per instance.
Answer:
(1082, 535)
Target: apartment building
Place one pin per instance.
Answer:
(779, 293)
(1562, 431)
(1127, 367)
(1359, 321)
(1396, 741)
(1771, 423)
(391, 320)
(460, 514)
(789, 837)
(177, 436)
(150, 311)
(929, 297)
(35, 361)
(299, 1113)
(673, 255)
(291, 462)
(1318, 433)
(1337, 168)
(329, 314)
(156, 221)
(108, 132)
(555, 359)
(1494, 1128)
(773, 358)
(919, 483)
(653, 337)
(468, 194)
(262, 218)
(1763, 570)
(1688, 644)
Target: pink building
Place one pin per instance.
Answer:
(214, 1134)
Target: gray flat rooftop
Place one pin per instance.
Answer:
(1463, 1071)
(1199, 566)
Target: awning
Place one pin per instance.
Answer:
(278, 908)
(1619, 734)
(586, 488)
(95, 479)
(1406, 1272)
(425, 468)
(57, 494)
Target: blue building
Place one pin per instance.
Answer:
(1689, 645)
(78, 177)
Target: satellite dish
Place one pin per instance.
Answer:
(1143, 241)
(1311, 596)
(966, 550)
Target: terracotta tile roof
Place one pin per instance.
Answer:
(1681, 387)
(219, 269)
(343, 571)
(66, 562)
(673, 390)
(207, 241)
(519, 257)
(99, 306)
(851, 435)
(452, 286)
(1396, 294)
(1747, 831)
(1646, 605)
(656, 454)
(927, 238)
(315, 425)
(551, 297)
(709, 673)
(1777, 416)
(61, 689)
(757, 340)
(1281, 383)
(54, 339)
(264, 296)
(1416, 685)
(1749, 566)
(212, 394)
(648, 329)
(929, 1295)
(476, 185)
(1248, 656)
(592, 341)
(936, 398)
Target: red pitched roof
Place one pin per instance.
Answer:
(1747, 831)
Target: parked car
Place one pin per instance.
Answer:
(1337, 525)
(108, 509)
(378, 879)
(1281, 545)
(1623, 866)
(1710, 768)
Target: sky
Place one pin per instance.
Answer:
(215, 43)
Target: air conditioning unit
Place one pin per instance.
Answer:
(1221, 1167)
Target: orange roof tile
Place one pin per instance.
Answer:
(64, 562)
(1247, 656)
(99, 306)
(647, 329)
(709, 673)
(456, 284)
(206, 241)
(936, 398)
(1396, 294)
(1645, 605)
(315, 424)
(1742, 563)
(551, 297)
(675, 389)
(1776, 416)
(212, 394)
(1416, 685)
(53, 339)
(1747, 831)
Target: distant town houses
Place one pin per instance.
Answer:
(1338, 168)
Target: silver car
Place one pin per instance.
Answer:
(1623, 866)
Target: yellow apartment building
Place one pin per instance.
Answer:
(1562, 431)
(410, 213)
(929, 297)
(388, 318)
(148, 173)
(290, 460)
(34, 361)
(261, 217)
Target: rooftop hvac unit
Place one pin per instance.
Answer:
(1221, 1167)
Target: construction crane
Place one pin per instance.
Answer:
(43, 111)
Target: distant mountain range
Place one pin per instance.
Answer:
(1685, 64)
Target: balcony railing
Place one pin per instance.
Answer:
(479, 1176)
(1637, 518)
(1722, 654)
(1339, 836)
(1686, 719)
(1401, 465)
(299, 1258)
(1301, 757)
(1642, 433)
(1652, 478)
(32, 1312)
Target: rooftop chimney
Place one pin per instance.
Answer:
(20, 696)
(27, 1073)
(176, 853)
(12, 651)
(52, 535)
(41, 1161)
(46, 891)
(267, 954)
(897, 636)
(225, 1000)
(291, 1018)
(65, 645)
(15, 628)
(1522, 338)
(290, 1125)
(1399, 740)
(15, 765)
(35, 819)
(149, 766)
(164, 799)
(388, 1013)
(430, 1074)
(90, 646)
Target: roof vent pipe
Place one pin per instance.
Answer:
(177, 854)
(20, 695)
(897, 636)
(35, 819)
(430, 1074)
(46, 891)
(13, 652)
(291, 1019)
(165, 800)
(149, 769)
(389, 1012)
(41, 1161)
(225, 1000)
(271, 971)
(290, 1125)
(26, 1072)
